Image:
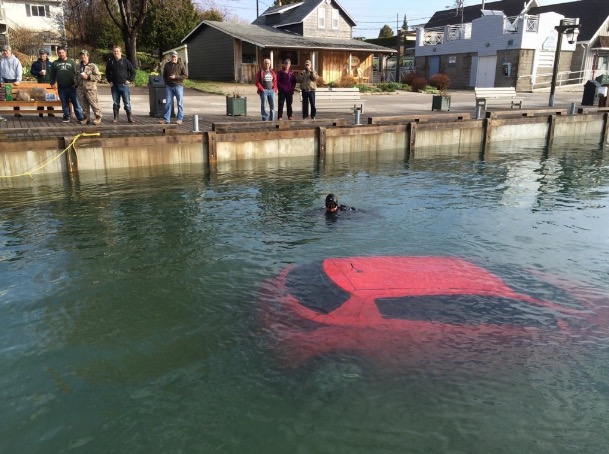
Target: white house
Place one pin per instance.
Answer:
(513, 43)
(41, 16)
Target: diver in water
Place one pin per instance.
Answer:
(332, 206)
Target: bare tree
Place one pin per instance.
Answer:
(128, 15)
(26, 40)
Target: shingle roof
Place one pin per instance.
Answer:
(452, 16)
(265, 36)
(295, 14)
(591, 13)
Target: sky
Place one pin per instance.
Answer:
(370, 15)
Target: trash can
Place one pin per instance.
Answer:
(156, 95)
(590, 97)
(603, 80)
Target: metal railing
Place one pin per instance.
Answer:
(433, 36)
(544, 80)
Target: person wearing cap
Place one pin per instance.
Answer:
(174, 74)
(11, 70)
(64, 72)
(308, 85)
(10, 67)
(87, 88)
(40, 68)
(120, 73)
(41, 71)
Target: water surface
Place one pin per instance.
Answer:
(128, 315)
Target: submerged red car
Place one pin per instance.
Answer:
(407, 309)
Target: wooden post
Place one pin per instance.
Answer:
(605, 136)
(412, 142)
(321, 143)
(487, 127)
(551, 127)
(71, 156)
(212, 151)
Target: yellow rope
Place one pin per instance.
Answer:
(72, 144)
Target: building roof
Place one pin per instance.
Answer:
(591, 13)
(264, 36)
(453, 16)
(296, 13)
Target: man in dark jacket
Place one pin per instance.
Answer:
(174, 74)
(63, 76)
(41, 68)
(120, 73)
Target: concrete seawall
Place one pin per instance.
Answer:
(42, 149)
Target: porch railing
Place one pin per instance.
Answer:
(544, 80)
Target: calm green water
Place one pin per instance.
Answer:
(128, 306)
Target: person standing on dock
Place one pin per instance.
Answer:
(11, 70)
(266, 81)
(87, 88)
(120, 73)
(64, 72)
(174, 73)
(308, 86)
(40, 68)
(286, 83)
(10, 67)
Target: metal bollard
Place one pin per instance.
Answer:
(357, 111)
(196, 123)
(478, 112)
(572, 109)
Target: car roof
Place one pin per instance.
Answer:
(424, 275)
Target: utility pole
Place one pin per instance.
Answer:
(397, 63)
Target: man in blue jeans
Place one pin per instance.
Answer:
(174, 74)
(266, 81)
(120, 73)
(63, 76)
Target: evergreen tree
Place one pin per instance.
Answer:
(405, 24)
(386, 32)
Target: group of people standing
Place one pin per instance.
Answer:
(284, 83)
(76, 83)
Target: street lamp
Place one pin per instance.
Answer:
(569, 27)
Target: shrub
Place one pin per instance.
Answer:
(389, 86)
(408, 77)
(418, 83)
(321, 82)
(347, 82)
(141, 78)
(440, 81)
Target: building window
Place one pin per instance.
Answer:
(37, 10)
(321, 18)
(248, 53)
(292, 55)
(334, 19)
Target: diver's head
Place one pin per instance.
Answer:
(331, 203)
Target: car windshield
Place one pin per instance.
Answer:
(466, 309)
(310, 285)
